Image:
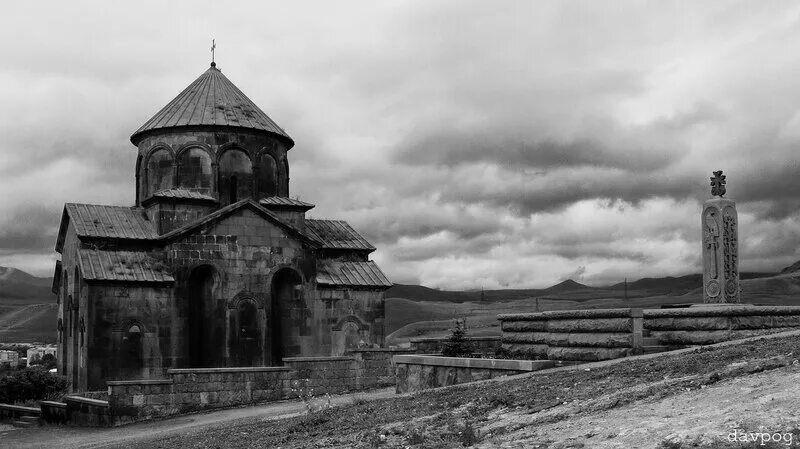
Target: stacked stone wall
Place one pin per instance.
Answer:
(422, 372)
(708, 324)
(581, 335)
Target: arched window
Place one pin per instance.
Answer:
(159, 171)
(284, 186)
(195, 170)
(82, 330)
(71, 313)
(268, 175)
(65, 287)
(235, 176)
(352, 337)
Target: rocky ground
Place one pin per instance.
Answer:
(585, 407)
(691, 399)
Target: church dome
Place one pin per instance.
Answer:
(211, 100)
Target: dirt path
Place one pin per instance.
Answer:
(128, 436)
(755, 403)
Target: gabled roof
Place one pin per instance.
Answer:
(128, 266)
(228, 210)
(280, 202)
(211, 100)
(351, 274)
(337, 234)
(96, 221)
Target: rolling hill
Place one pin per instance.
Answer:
(28, 309)
(429, 313)
(18, 287)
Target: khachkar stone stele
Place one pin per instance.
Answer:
(720, 246)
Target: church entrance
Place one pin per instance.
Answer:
(201, 329)
(287, 312)
(247, 349)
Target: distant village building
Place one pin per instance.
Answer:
(36, 353)
(9, 359)
(215, 265)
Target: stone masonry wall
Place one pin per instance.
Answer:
(422, 372)
(580, 335)
(186, 390)
(244, 250)
(708, 324)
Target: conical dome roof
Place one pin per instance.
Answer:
(211, 100)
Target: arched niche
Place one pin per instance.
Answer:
(131, 353)
(195, 169)
(203, 334)
(235, 176)
(267, 182)
(287, 312)
(159, 171)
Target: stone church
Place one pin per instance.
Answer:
(215, 265)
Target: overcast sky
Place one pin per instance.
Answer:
(476, 144)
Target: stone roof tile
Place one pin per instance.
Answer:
(214, 100)
(351, 274)
(337, 234)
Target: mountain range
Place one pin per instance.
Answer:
(19, 287)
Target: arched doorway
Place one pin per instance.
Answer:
(287, 314)
(248, 335)
(202, 330)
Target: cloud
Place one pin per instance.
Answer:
(475, 144)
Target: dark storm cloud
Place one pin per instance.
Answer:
(474, 143)
(29, 228)
(459, 148)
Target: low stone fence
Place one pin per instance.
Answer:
(87, 412)
(578, 335)
(703, 324)
(186, 390)
(11, 412)
(485, 346)
(421, 372)
(54, 412)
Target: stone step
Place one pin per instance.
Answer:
(23, 424)
(650, 341)
(655, 348)
(29, 418)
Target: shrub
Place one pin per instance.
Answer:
(48, 361)
(457, 344)
(33, 383)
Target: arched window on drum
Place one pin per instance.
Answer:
(235, 176)
(195, 170)
(267, 176)
(160, 172)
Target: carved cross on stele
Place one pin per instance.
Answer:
(718, 184)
